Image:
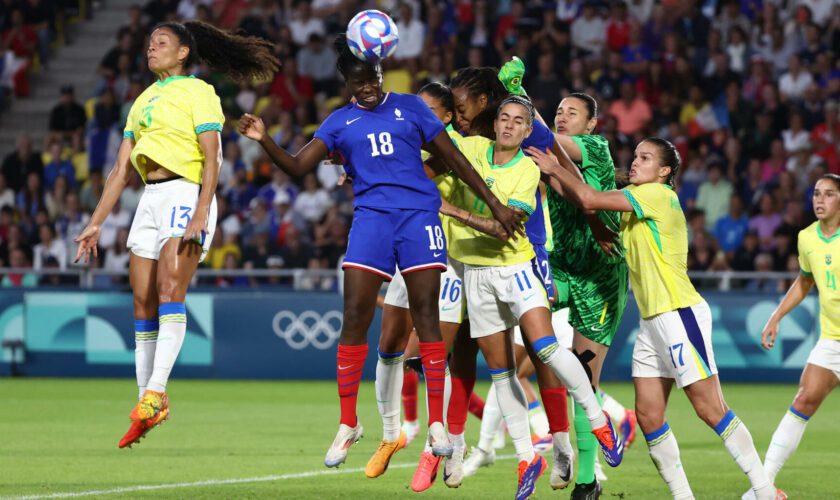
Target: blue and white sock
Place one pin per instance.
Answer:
(784, 442)
(389, 380)
(665, 454)
(145, 341)
(739, 443)
(172, 318)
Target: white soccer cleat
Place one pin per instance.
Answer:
(411, 429)
(439, 440)
(749, 495)
(345, 438)
(563, 468)
(477, 459)
(599, 470)
(453, 471)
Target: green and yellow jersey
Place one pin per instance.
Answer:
(514, 184)
(819, 258)
(165, 121)
(655, 241)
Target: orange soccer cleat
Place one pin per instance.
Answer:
(149, 405)
(139, 428)
(378, 463)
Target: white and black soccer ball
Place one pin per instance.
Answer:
(372, 36)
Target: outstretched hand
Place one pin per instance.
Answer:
(87, 241)
(545, 160)
(252, 127)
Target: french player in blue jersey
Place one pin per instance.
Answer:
(395, 224)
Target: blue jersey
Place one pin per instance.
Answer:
(541, 138)
(381, 150)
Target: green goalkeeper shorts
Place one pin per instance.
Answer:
(596, 302)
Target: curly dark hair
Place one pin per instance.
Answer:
(239, 57)
(478, 81)
(347, 61)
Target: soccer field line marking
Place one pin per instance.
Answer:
(211, 482)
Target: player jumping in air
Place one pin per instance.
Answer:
(819, 261)
(172, 138)
(395, 224)
(675, 333)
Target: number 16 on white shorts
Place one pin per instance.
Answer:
(676, 344)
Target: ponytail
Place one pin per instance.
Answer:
(239, 57)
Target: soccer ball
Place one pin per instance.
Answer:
(372, 36)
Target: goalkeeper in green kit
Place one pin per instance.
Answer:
(591, 279)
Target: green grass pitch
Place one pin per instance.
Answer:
(59, 436)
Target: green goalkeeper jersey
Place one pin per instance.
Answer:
(575, 249)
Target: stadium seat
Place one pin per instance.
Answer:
(81, 166)
(334, 102)
(262, 103)
(397, 80)
(90, 108)
(309, 130)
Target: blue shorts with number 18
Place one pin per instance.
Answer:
(382, 239)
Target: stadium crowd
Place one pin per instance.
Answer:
(747, 90)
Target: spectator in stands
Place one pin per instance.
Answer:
(21, 41)
(57, 167)
(279, 190)
(765, 222)
(312, 203)
(763, 263)
(108, 65)
(731, 229)
(7, 196)
(31, 198)
(116, 258)
(412, 38)
(130, 197)
(49, 247)
(67, 120)
(39, 14)
(19, 260)
(317, 62)
(71, 223)
(304, 24)
(589, 31)
(91, 192)
(825, 137)
(295, 252)
(19, 163)
(544, 88)
(792, 85)
(55, 198)
(258, 221)
(796, 138)
(291, 88)
(714, 194)
(119, 218)
(632, 112)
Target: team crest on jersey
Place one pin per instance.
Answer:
(828, 259)
(399, 114)
(490, 181)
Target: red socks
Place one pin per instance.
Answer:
(457, 415)
(476, 405)
(350, 363)
(556, 409)
(409, 395)
(433, 356)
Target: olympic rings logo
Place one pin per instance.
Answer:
(308, 328)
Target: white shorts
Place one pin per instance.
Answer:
(676, 344)
(164, 211)
(451, 303)
(826, 354)
(562, 330)
(498, 296)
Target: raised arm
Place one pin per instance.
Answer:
(574, 189)
(442, 147)
(794, 296)
(114, 186)
(305, 160)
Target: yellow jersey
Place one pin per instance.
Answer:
(514, 184)
(165, 120)
(816, 259)
(446, 182)
(655, 242)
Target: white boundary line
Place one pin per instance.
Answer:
(212, 482)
